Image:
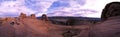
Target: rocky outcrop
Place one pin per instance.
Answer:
(110, 25)
(44, 17)
(27, 27)
(6, 28)
(22, 15)
(33, 16)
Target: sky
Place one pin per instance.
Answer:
(76, 8)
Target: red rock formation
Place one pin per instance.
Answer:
(22, 15)
(33, 16)
(13, 27)
(111, 9)
(6, 29)
(110, 25)
(44, 17)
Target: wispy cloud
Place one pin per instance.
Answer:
(85, 8)
(71, 8)
(11, 8)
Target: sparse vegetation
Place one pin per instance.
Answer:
(71, 21)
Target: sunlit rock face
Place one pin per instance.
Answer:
(33, 16)
(30, 26)
(6, 29)
(22, 15)
(14, 26)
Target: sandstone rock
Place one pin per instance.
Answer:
(22, 15)
(109, 27)
(44, 17)
(33, 16)
(6, 29)
(111, 9)
(5, 20)
(11, 27)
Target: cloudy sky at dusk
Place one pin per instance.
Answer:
(84, 8)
